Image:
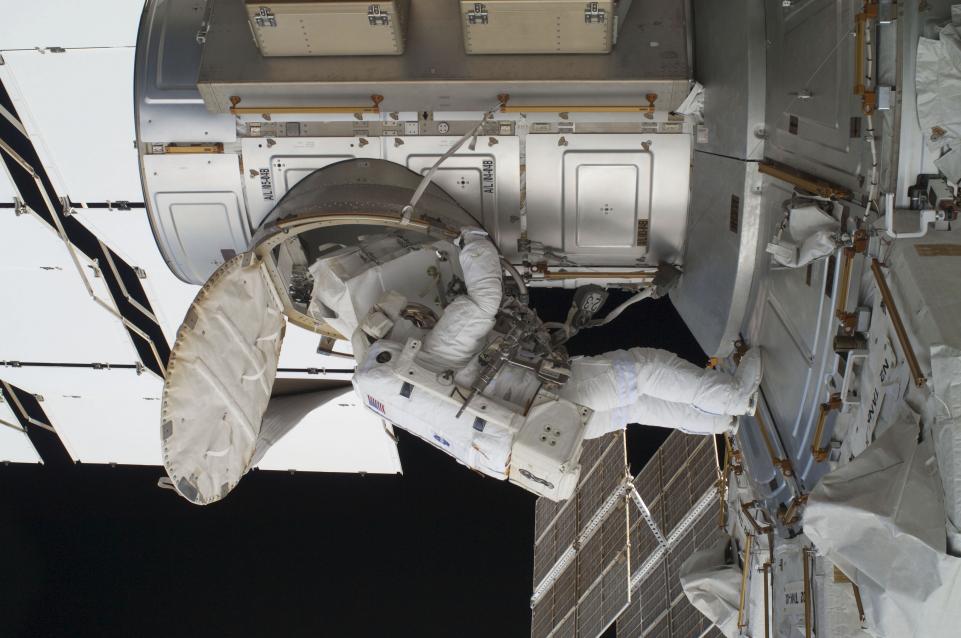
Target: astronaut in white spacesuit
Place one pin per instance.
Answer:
(639, 385)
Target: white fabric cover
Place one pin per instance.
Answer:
(713, 586)
(284, 413)
(809, 235)
(693, 104)
(938, 87)
(349, 281)
(219, 379)
(880, 519)
(946, 379)
(656, 387)
(468, 319)
(429, 417)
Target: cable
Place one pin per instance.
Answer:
(946, 408)
(408, 211)
(614, 314)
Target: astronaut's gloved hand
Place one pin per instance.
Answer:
(469, 234)
(665, 279)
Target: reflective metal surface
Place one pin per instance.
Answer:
(484, 181)
(723, 245)
(730, 63)
(197, 205)
(609, 200)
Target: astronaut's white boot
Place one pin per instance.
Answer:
(748, 378)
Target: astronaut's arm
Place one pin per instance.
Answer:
(469, 318)
(480, 263)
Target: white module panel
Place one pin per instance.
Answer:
(200, 204)
(170, 106)
(606, 199)
(485, 181)
(274, 166)
(77, 108)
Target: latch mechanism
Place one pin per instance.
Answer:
(478, 15)
(377, 17)
(265, 18)
(594, 14)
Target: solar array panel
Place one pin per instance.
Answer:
(673, 484)
(580, 592)
(583, 581)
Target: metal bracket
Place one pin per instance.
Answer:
(478, 15)
(264, 18)
(376, 16)
(594, 14)
(646, 513)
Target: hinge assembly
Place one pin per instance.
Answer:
(478, 15)
(264, 18)
(594, 14)
(376, 16)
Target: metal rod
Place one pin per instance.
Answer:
(744, 574)
(847, 265)
(857, 600)
(782, 464)
(888, 300)
(806, 182)
(192, 149)
(282, 110)
(576, 109)
(651, 98)
(374, 107)
(807, 593)
(560, 275)
(767, 603)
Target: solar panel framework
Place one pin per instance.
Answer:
(678, 486)
(581, 551)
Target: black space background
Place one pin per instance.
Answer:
(439, 551)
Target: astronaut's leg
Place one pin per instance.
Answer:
(618, 379)
(660, 413)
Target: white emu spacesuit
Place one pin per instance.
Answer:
(640, 385)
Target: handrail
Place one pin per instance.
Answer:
(744, 574)
(235, 100)
(648, 110)
(902, 334)
(821, 453)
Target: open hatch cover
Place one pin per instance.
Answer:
(219, 380)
